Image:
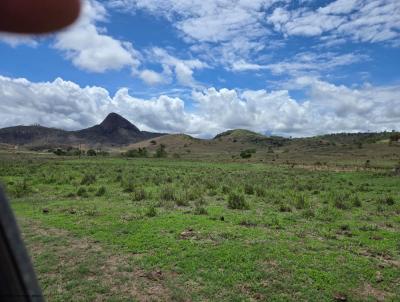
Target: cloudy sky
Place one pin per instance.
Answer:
(293, 68)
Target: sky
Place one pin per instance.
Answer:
(290, 68)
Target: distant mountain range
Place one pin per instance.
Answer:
(116, 131)
(113, 131)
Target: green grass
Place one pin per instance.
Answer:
(220, 232)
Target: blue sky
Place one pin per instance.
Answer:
(293, 68)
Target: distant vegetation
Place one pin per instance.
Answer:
(247, 153)
(161, 152)
(140, 152)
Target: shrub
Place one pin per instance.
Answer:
(91, 152)
(260, 192)
(200, 202)
(192, 194)
(139, 194)
(340, 201)
(237, 201)
(308, 213)
(199, 210)
(356, 201)
(82, 192)
(285, 208)
(60, 152)
(248, 189)
(161, 152)
(387, 200)
(151, 211)
(129, 187)
(225, 189)
(21, 188)
(245, 154)
(141, 152)
(101, 191)
(167, 193)
(301, 202)
(118, 178)
(88, 179)
(181, 202)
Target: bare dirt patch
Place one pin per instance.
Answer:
(367, 291)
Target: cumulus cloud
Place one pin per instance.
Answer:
(89, 47)
(356, 20)
(64, 104)
(327, 108)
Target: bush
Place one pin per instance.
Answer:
(285, 208)
(161, 152)
(225, 189)
(139, 194)
(245, 154)
(88, 179)
(340, 201)
(387, 200)
(129, 187)
(167, 193)
(181, 202)
(82, 192)
(248, 189)
(60, 152)
(101, 191)
(356, 201)
(301, 202)
(141, 152)
(91, 152)
(151, 212)
(260, 192)
(237, 201)
(308, 213)
(199, 210)
(21, 188)
(192, 194)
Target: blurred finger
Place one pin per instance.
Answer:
(37, 16)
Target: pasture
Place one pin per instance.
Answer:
(118, 229)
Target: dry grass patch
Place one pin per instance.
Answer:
(80, 269)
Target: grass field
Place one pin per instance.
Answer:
(114, 229)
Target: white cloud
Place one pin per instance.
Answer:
(15, 40)
(229, 29)
(242, 65)
(90, 48)
(309, 62)
(327, 108)
(151, 77)
(182, 69)
(64, 104)
(357, 20)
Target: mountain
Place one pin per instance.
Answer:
(113, 131)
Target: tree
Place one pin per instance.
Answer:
(160, 152)
(91, 152)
